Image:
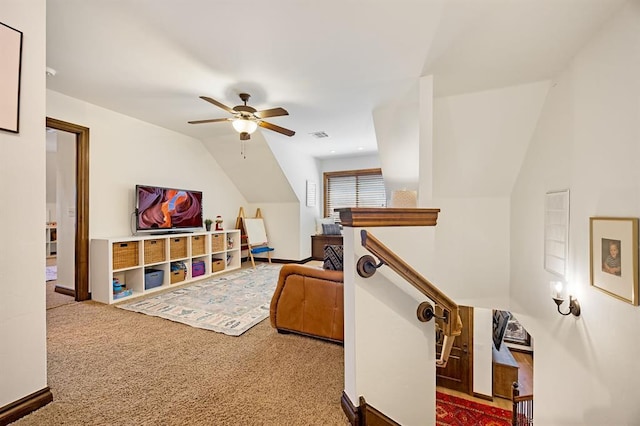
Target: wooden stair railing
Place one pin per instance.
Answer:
(449, 322)
(522, 407)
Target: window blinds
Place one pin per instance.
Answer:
(353, 189)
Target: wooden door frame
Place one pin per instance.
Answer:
(81, 291)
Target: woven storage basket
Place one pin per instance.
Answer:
(217, 265)
(198, 245)
(125, 255)
(154, 251)
(217, 242)
(178, 276)
(178, 248)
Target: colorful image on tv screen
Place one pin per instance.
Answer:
(162, 208)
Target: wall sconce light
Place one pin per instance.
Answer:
(558, 296)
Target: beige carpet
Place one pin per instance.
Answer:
(108, 366)
(56, 299)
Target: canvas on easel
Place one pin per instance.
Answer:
(256, 235)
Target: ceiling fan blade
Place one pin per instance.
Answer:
(218, 104)
(273, 112)
(212, 120)
(275, 128)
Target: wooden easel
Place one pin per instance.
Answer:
(253, 236)
(240, 226)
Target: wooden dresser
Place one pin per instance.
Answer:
(319, 241)
(505, 371)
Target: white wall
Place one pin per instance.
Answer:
(299, 168)
(389, 354)
(269, 174)
(479, 142)
(587, 140)
(480, 139)
(369, 161)
(396, 127)
(23, 357)
(482, 351)
(125, 152)
(282, 225)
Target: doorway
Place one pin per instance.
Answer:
(81, 273)
(458, 374)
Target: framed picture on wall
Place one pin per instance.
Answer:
(312, 194)
(515, 333)
(11, 46)
(614, 256)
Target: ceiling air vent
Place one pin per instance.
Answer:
(319, 135)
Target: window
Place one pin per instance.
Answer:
(353, 188)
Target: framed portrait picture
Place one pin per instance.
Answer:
(614, 256)
(11, 47)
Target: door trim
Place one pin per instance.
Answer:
(82, 205)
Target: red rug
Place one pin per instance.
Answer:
(454, 411)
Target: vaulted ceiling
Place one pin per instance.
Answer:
(330, 63)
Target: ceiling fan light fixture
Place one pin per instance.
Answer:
(246, 118)
(244, 125)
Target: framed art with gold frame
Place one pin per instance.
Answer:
(614, 256)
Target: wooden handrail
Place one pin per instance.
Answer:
(451, 322)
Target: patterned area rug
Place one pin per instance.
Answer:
(51, 273)
(451, 410)
(230, 304)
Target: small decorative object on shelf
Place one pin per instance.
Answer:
(120, 290)
(229, 242)
(219, 223)
(207, 224)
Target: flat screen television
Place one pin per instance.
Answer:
(165, 210)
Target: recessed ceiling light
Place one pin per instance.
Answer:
(360, 148)
(333, 151)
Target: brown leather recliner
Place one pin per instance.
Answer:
(309, 300)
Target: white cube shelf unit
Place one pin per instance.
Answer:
(127, 259)
(51, 238)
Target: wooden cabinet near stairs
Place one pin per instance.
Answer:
(319, 241)
(505, 371)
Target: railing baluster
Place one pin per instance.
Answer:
(522, 414)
